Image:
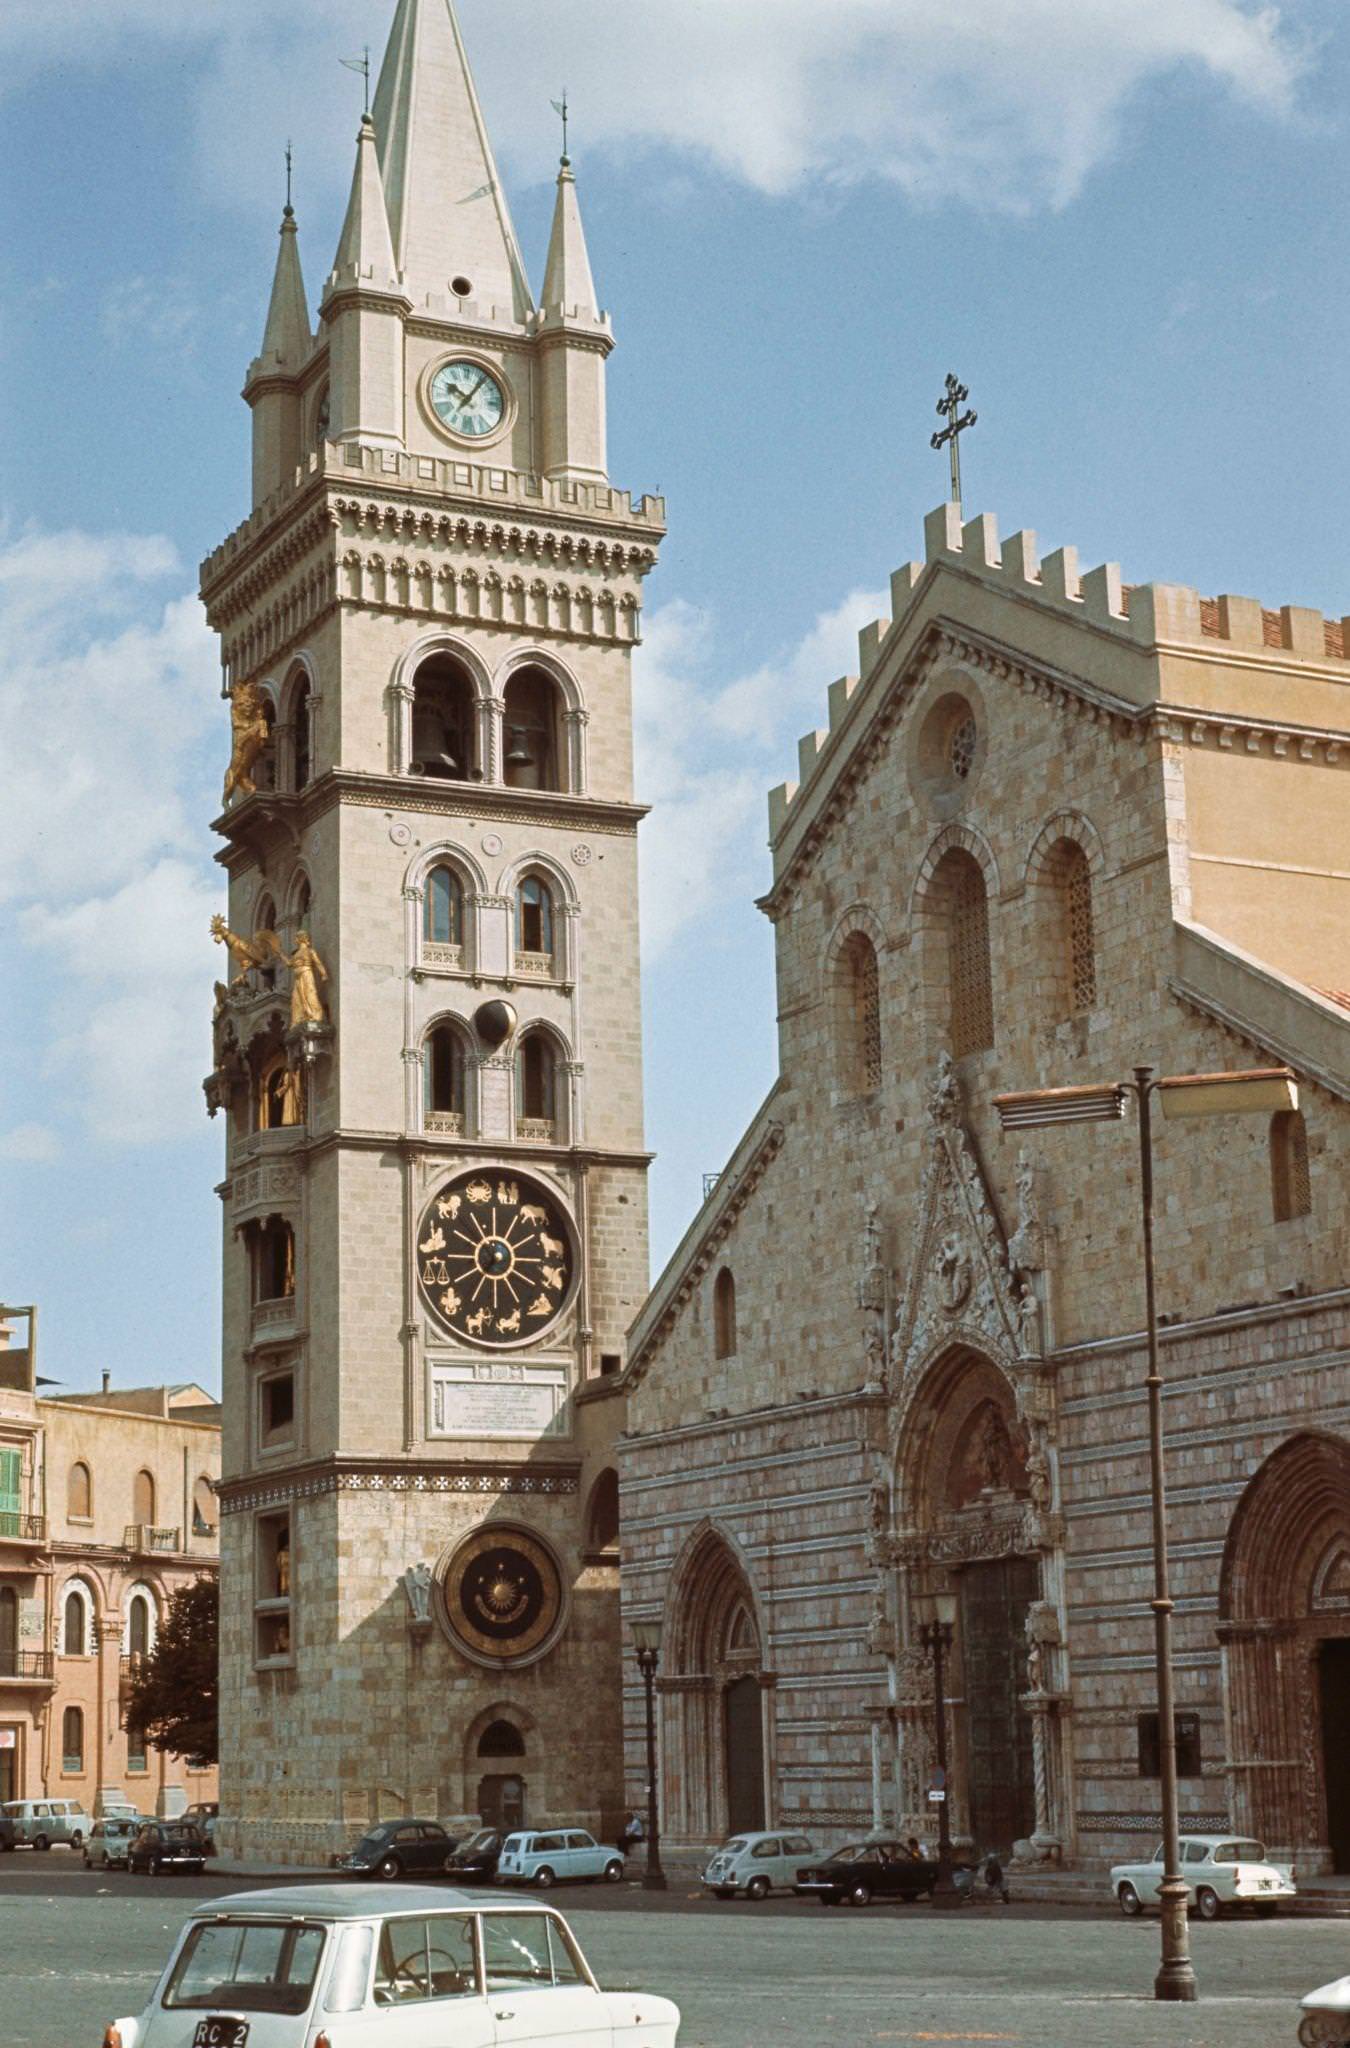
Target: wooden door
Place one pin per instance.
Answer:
(1001, 1789)
(745, 1755)
(1334, 1684)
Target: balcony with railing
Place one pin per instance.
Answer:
(17, 1528)
(27, 1667)
(148, 1540)
(274, 1316)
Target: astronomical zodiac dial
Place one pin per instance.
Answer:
(503, 1594)
(494, 1259)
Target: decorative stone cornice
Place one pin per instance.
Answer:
(401, 1476)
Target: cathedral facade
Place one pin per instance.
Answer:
(427, 1046)
(1056, 829)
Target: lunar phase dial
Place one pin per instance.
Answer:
(494, 1258)
(503, 1595)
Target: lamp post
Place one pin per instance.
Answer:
(647, 1638)
(937, 1624)
(1267, 1089)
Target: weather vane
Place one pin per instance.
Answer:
(957, 422)
(289, 208)
(362, 65)
(560, 109)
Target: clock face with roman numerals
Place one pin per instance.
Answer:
(494, 1258)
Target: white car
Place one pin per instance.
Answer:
(1326, 2015)
(755, 1863)
(553, 1855)
(1219, 1871)
(342, 1964)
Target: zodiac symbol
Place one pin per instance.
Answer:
(449, 1206)
(552, 1276)
(508, 1325)
(551, 1247)
(479, 1191)
(434, 1243)
(476, 1322)
(542, 1307)
(532, 1213)
(451, 1302)
(508, 1192)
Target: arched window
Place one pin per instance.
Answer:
(534, 927)
(443, 1080)
(1070, 877)
(72, 1739)
(80, 1492)
(302, 719)
(724, 1314)
(443, 722)
(536, 1088)
(500, 1738)
(858, 1016)
(140, 1628)
(443, 909)
(281, 1095)
(264, 769)
(205, 1514)
(602, 1520)
(77, 1623)
(532, 752)
(143, 1499)
(265, 920)
(273, 1261)
(1290, 1181)
(960, 893)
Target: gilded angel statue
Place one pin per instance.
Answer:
(262, 950)
(307, 971)
(250, 733)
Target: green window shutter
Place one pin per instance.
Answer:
(11, 1490)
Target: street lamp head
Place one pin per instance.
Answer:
(1033, 1108)
(939, 1608)
(1257, 1090)
(647, 1637)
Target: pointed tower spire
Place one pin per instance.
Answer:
(447, 212)
(569, 289)
(287, 339)
(365, 251)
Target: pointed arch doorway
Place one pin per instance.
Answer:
(716, 1701)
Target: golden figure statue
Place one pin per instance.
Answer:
(292, 1099)
(307, 971)
(259, 951)
(250, 733)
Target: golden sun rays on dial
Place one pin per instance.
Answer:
(494, 1258)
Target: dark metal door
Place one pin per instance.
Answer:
(994, 1602)
(745, 1755)
(501, 1802)
(1334, 1676)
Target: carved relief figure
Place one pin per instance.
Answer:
(259, 951)
(954, 1272)
(992, 1453)
(250, 732)
(417, 1586)
(307, 971)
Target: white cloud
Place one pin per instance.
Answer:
(1003, 106)
(111, 729)
(30, 1144)
(707, 754)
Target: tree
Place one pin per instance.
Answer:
(174, 1696)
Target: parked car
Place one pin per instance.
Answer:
(1326, 2016)
(159, 1845)
(863, 1871)
(556, 1856)
(1219, 1870)
(39, 1823)
(262, 1956)
(204, 1815)
(475, 1861)
(392, 1848)
(753, 1864)
(109, 1841)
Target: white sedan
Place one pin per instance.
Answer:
(1326, 2015)
(346, 1965)
(1219, 1871)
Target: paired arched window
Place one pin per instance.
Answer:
(80, 1492)
(532, 750)
(535, 936)
(72, 1739)
(1070, 877)
(443, 1079)
(443, 908)
(1290, 1180)
(143, 1499)
(302, 733)
(858, 1016)
(724, 1314)
(963, 906)
(537, 1088)
(273, 1260)
(77, 1622)
(444, 727)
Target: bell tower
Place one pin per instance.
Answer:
(427, 1047)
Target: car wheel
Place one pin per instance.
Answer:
(543, 1877)
(614, 1871)
(41, 1842)
(1207, 1903)
(76, 1839)
(390, 1866)
(860, 1895)
(1266, 1909)
(758, 1888)
(1131, 1905)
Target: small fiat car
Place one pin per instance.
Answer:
(1220, 1870)
(109, 1841)
(556, 1856)
(751, 1865)
(166, 1845)
(353, 1966)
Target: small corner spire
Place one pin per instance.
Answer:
(287, 338)
(365, 248)
(569, 288)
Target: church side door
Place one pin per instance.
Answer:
(994, 1601)
(744, 1712)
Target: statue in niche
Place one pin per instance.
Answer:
(417, 1587)
(250, 732)
(307, 971)
(990, 1462)
(292, 1093)
(262, 950)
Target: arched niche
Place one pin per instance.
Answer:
(717, 1713)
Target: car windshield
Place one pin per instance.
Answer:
(376, 1840)
(1240, 1852)
(485, 1839)
(733, 1846)
(256, 1966)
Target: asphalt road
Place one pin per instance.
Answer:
(78, 1948)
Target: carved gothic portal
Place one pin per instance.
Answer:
(716, 1698)
(1284, 1622)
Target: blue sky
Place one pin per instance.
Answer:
(1123, 222)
